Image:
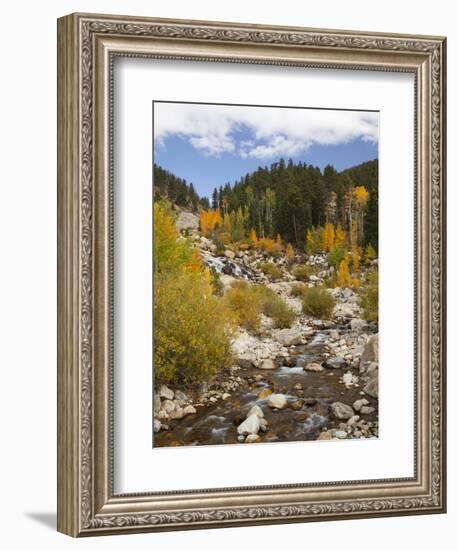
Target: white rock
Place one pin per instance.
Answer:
(168, 406)
(341, 410)
(166, 392)
(189, 409)
(256, 409)
(359, 403)
(229, 254)
(249, 426)
(366, 410)
(263, 425)
(156, 426)
(347, 378)
(288, 337)
(277, 401)
(267, 364)
(177, 414)
(340, 434)
(313, 367)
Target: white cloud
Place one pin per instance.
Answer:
(274, 132)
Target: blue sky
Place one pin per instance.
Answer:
(210, 145)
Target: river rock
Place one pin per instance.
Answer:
(359, 403)
(168, 406)
(370, 353)
(267, 364)
(366, 410)
(249, 426)
(263, 425)
(371, 388)
(340, 434)
(256, 410)
(277, 401)
(180, 396)
(347, 378)
(341, 410)
(157, 403)
(176, 414)
(288, 337)
(325, 436)
(229, 254)
(358, 324)
(337, 362)
(297, 405)
(157, 426)
(189, 409)
(310, 401)
(313, 367)
(166, 392)
(252, 438)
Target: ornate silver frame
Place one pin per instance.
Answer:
(87, 44)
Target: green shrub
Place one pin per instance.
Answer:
(336, 255)
(298, 290)
(369, 298)
(302, 272)
(280, 312)
(318, 302)
(271, 270)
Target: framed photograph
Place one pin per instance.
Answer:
(251, 284)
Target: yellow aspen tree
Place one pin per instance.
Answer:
(254, 238)
(341, 237)
(278, 239)
(344, 273)
(329, 236)
(309, 242)
(290, 252)
(355, 257)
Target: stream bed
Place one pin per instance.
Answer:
(309, 396)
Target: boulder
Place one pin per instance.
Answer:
(341, 410)
(313, 367)
(256, 410)
(370, 352)
(267, 364)
(166, 392)
(180, 396)
(358, 324)
(157, 426)
(340, 434)
(337, 362)
(277, 401)
(187, 220)
(359, 403)
(168, 406)
(263, 425)
(347, 378)
(177, 414)
(229, 254)
(189, 409)
(325, 436)
(252, 438)
(249, 426)
(366, 410)
(371, 388)
(288, 337)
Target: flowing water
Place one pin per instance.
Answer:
(218, 423)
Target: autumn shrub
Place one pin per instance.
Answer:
(336, 255)
(318, 302)
(244, 304)
(302, 272)
(271, 270)
(369, 298)
(191, 334)
(191, 325)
